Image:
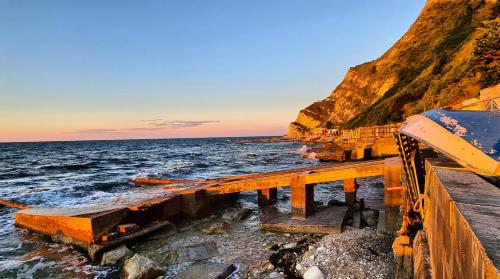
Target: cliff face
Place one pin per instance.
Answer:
(449, 53)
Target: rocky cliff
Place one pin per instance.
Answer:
(448, 54)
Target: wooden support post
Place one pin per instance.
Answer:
(267, 196)
(302, 197)
(393, 173)
(350, 188)
(195, 204)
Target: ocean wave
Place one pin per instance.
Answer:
(16, 175)
(102, 186)
(70, 167)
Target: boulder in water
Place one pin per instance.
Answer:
(140, 267)
(116, 255)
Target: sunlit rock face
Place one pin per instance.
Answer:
(446, 56)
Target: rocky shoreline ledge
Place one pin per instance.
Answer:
(230, 244)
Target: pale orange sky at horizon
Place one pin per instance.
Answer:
(97, 127)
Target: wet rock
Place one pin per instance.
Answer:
(116, 255)
(207, 271)
(192, 253)
(314, 273)
(370, 217)
(140, 267)
(237, 215)
(299, 267)
(290, 245)
(217, 228)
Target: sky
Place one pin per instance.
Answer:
(78, 70)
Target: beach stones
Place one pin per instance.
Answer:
(116, 255)
(140, 267)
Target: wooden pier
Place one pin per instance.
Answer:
(96, 229)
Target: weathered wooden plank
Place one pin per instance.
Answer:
(13, 204)
(320, 174)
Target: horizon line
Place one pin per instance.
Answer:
(128, 139)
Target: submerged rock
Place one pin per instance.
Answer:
(217, 228)
(140, 267)
(314, 273)
(207, 271)
(116, 255)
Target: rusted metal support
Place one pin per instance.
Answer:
(350, 189)
(302, 197)
(267, 196)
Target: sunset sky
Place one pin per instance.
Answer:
(72, 70)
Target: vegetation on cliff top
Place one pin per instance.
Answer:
(447, 56)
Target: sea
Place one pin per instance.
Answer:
(91, 173)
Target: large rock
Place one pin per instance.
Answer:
(140, 267)
(314, 273)
(116, 255)
(207, 271)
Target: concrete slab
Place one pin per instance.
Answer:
(324, 220)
